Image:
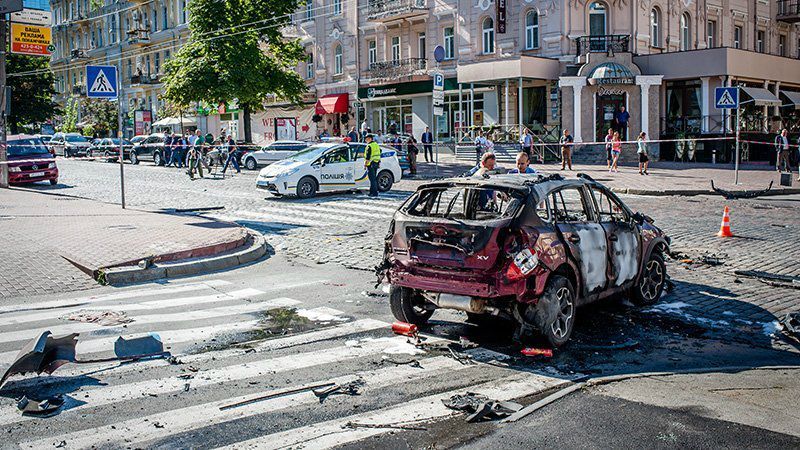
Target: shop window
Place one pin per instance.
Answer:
(685, 32)
(655, 28)
(488, 36)
(531, 30)
(683, 106)
(449, 43)
(338, 68)
(737, 36)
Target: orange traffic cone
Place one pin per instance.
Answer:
(725, 228)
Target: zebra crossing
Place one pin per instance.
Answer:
(186, 402)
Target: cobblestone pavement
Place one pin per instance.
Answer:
(348, 229)
(41, 231)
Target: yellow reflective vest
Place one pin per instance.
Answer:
(373, 153)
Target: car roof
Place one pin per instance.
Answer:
(13, 137)
(539, 184)
(289, 143)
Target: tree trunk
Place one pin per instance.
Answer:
(248, 132)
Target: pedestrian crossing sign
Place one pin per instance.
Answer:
(101, 81)
(726, 97)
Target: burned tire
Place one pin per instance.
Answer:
(408, 306)
(651, 282)
(554, 313)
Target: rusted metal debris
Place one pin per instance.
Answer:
(479, 407)
(274, 394)
(352, 388)
(44, 353)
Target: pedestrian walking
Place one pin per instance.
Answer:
(167, 155)
(609, 138)
(522, 164)
(526, 141)
(642, 151)
(413, 151)
(233, 156)
(427, 144)
(621, 118)
(364, 130)
(372, 162)
(616, 150)
(194, 164)
(782, 151)
(480, 147)
(566, 142)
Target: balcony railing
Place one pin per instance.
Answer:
(397, 68)
(599, 44)
(393, 9)
(138, 37)
(788, 11)
(145, 79)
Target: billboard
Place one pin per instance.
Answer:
(30, 39)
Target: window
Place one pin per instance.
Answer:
(341, 155)
(782, 45)
(100, 36)
(655, 28)
(760, 41)
(157, 62)
(147, 64)
(165, 17)
(449, 43)
(711, 33)
(488, 36)
(568, 206)
(609, 209)
(685, 32)
(337, 7)
(421, 50)
(531, 30)
(372, 52)
(184, 12)
(309, 9)
(463, 203)
(395, 48)
(129, 67)
(597, 19)
(337, 60)
(737, 37)
(309, 66)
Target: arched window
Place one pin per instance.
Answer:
(597, 19)
(685, 31)
(531, 30)
(655, 27)
(337, 60)
(488, 35)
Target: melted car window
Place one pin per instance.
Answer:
(568, 206)
(465, 203)
(609, 209)
(541, 210)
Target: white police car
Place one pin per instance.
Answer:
(326, 167)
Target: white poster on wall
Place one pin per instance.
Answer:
(286, 129)
(267, 129)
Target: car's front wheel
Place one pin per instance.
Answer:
(408, 305)
(250, 164)
(306, 187)
(157, 159)
(385, 181)
(651, 282)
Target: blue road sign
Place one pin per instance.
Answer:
(726, 97)
(438, 82)
(438, 53)
(101, 81)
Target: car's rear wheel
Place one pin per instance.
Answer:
(408, 305)
(385, 180)
(651, 282)
(306, 187)
(250, 164)
(157, 159)
(554, 313)
(134, 158)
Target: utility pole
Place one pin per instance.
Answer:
(3, 153)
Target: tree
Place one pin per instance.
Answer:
(102, 114)
(71, 115)
(31, 95)
(236, 52)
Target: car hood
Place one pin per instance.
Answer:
(280, 167)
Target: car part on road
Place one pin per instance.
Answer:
(280, 393)
(480, 407)
(105, 318)
(791, 324)
(405, 329)
(530, 351)
(771, 279)
(140, 347)
(351, 388)
(40, 408)
(44, 353)
(394, 426)
(741, 194)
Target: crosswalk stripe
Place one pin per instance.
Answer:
(137, 293)
(105, 395)
(147, 319)
(335, 432)
(140, 430)
(282, 217)
(312, 212)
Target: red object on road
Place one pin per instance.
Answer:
(546, 352)
(405, 329)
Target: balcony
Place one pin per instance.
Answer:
(145, 79)
(138, 37)
(788, 11)
(387, 10)
(79, 89)
(616, 43)
(396, 69)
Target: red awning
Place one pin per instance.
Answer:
(333, 104)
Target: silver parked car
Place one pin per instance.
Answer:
(276, 151)
(69, 144)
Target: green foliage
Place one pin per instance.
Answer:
(31, 95)
(71, 115)
(94, 5)
(88, 130)
(102, 113)
(228, 57)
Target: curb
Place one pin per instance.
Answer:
(694, 192)
(255, 248)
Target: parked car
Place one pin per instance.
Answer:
(151, 148)
(108, 149)
(402, 149)
(530, 249)
(271, 153)
(327, 167)
(29, 160)
(69, 144)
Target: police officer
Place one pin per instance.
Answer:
(372, 161)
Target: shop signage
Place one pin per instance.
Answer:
(501, 16)
(410, 88)
(621, 80)
(380, 92)
(30, 39)
(610, 91)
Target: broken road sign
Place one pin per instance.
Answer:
(726, 97)
(102, 81)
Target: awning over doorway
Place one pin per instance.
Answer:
(333, 104)
(794, 99)
(760, 97)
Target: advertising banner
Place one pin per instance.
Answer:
(30, 39)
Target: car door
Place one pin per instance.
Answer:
(148, 147)
(336, 172)
(58, 144)
(623, 237)
(585, 238)
(361, 178)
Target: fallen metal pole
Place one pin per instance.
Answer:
(308, 387)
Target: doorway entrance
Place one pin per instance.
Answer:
(607, 106)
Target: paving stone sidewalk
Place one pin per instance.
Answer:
(40, 231)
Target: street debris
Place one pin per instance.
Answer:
(413, 362)
(630, 343)
(479, 407)
(140, 347)
(40, 408)
(105, 318)
(274, 394)
(546, 352)
(791, 324)
(740, 194)
(322, 314)
(459, 356)
(394, 426)
(351, 388)
(772, 279)
(44, 353)
(405, 329)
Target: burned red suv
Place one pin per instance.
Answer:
(527, 248)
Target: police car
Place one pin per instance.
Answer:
(327, 167)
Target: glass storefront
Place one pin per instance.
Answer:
(684, 114)
(392, 116)
(449, 124)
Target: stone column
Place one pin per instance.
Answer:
(577, 84)
(644, 82)
(704, 106)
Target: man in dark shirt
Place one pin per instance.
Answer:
(622, 118)
(427, 140)
(566, 150)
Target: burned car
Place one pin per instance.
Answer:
(526, 248)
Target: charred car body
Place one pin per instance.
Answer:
(527, 248)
